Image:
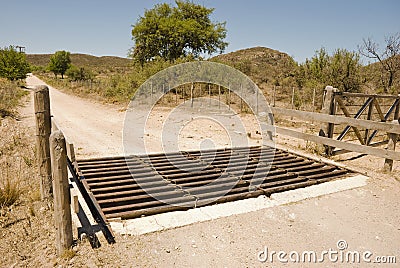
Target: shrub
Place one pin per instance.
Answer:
(13, 64)
(9, 192)
(10, 95)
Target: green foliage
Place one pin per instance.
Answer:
(121, 88)
(346, 70)
(341, 70)
(75, 73)
(314, 72)
(13, 64)
(60, 62)
(173, 32)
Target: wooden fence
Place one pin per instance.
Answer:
(371, 107)
(52, 161)
(329, 121)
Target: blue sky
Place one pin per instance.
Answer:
(104, 27)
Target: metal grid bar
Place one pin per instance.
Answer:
(150, 184)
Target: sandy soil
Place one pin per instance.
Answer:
(366, 218)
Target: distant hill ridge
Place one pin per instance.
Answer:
(265, 66)
(254, 53)
(81, 60)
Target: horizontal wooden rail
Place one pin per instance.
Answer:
(348, 94)
(368, 124)
(339, 144)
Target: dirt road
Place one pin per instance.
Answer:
(95, 129)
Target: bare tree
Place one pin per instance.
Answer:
(389, 58)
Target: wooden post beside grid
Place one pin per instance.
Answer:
(43, 129)
(62, 199)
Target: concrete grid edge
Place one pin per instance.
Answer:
(176, 219)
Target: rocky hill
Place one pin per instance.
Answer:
(265, 66)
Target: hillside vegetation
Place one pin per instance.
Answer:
(114, 79)
(83, 60)
(265, 66)
(374, 76)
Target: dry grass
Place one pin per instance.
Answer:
(10, 94)
(68, 254)
(26, 232)
(9, 192)
(11, 145)
(24, 220)
(17, 171)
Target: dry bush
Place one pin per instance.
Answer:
(10, 95)
(9, 192)
(17, 172)
(26, 230)
(12, 147)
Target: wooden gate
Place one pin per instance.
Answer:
(379, 108)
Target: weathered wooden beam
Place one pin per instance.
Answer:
(388, 166)
(43, 129)
(328, 107)
(391, 128)
(347, 114)
(379, 110)
(340, 144)
(62, 208)
(369, 116)
(368, 95)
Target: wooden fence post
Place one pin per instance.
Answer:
(388, 165)
(191, 95)
(219, 96)
(209, 94)
(62, 207)
(292, 102)
(313, 100)
(326, 129)
(229, 96)
(43, 129)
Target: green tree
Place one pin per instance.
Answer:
(345, 70)
(60, 62)
(13, 64)
(169, 33)
(75, 73)
(341, 70)
(315, 71)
